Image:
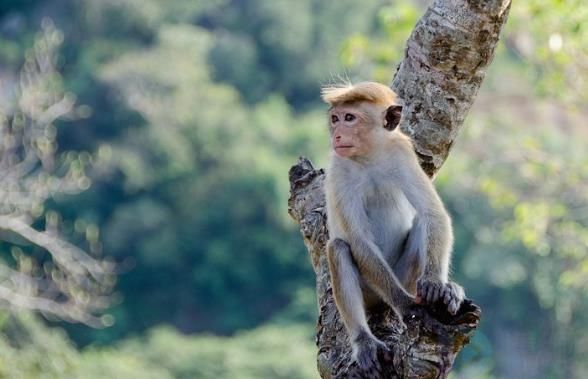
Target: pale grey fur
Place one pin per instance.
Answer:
(389, 231)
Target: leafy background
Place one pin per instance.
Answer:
(191, 114)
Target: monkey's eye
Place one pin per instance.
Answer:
(334, 119)
(349, 117)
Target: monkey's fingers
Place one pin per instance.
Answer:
(438, 294)
(454, 297)
(447, 295)
(459, 290)
(453, 306)
(419, 291)
(422, 288)
(433, 291)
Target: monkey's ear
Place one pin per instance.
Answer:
(392, 117)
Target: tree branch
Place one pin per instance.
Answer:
(69, 284)
(446, 60)
(73, 259)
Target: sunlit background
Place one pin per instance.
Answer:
(144, 150)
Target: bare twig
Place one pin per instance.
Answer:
(73, 285)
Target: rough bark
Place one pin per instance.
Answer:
(445, 62)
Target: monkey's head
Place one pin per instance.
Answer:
(361, 117)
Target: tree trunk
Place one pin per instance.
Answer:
(445, 62)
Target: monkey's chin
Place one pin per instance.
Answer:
(344, 151)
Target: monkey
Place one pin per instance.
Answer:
(390, 235)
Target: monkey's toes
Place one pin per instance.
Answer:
(366, 356)
(368, 366)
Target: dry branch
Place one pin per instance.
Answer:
(70, 284)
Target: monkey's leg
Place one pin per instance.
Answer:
(411, 264)
(378, 274)
(348, 295)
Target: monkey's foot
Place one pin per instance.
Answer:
(430, 291)
(366, 348)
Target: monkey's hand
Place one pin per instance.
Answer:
(430, 291)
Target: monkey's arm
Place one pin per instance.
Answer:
(368, 257)
(431, 237)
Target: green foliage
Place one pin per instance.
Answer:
(25, 345)
(527, 236)
(552, 38)
(14, 5)
(31, 350)
(196, 111)
(266, 352)
(372, 56)
(287, 48)
(200, 192)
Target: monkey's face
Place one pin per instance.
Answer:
(351, 130)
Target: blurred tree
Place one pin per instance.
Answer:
(158, 158)
(552, 39)
(30, 350)
(265, 62)
(263, 47)
(67, 283)
(531, 258)
(13, 5)
(200, 209)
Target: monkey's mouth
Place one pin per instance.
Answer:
(343, 147)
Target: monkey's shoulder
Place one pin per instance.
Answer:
(342, 172)
(401, 146)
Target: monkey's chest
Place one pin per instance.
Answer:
(390, 217)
